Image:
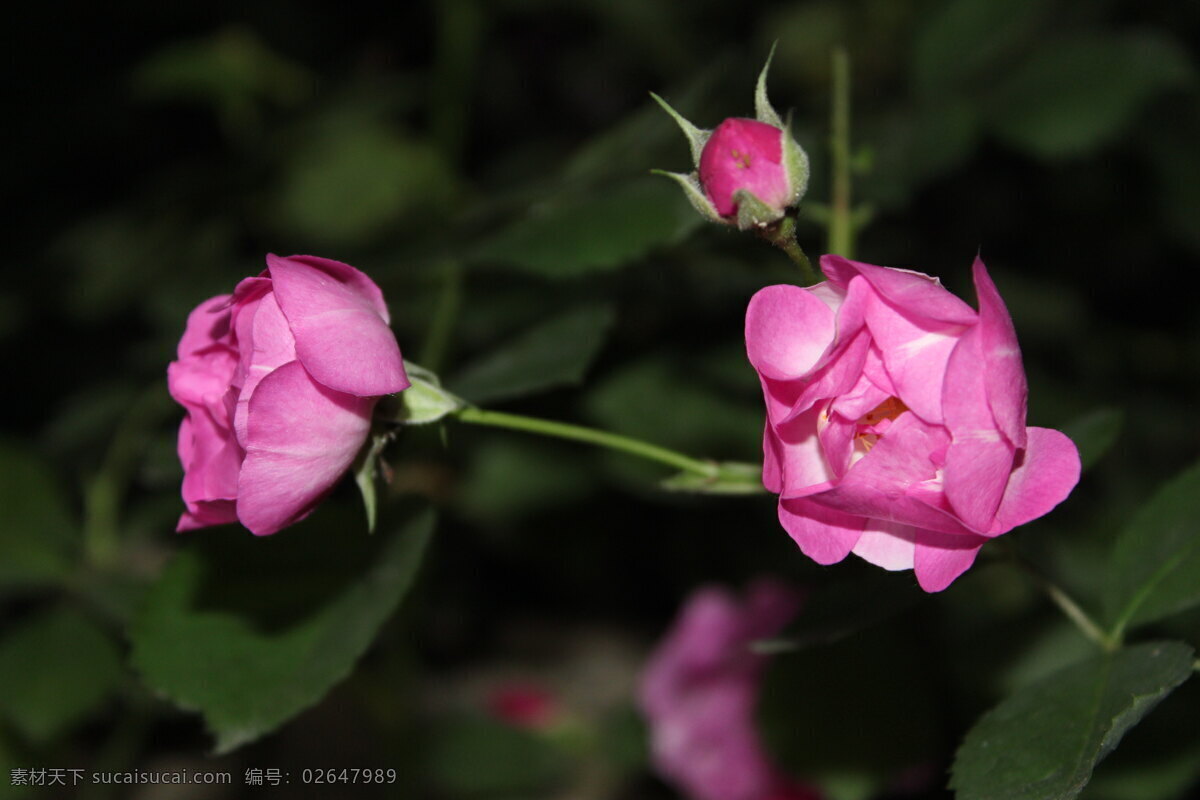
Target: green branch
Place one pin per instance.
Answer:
(578, 433)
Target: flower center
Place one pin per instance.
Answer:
(871, 425)
(740, 159)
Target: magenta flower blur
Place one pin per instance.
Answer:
(279, 380)
(896, 420)
(700, 689)
(744, 155)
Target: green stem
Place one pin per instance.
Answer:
(1072, 610)
(578, 433)
(841, 224)
(783, 236)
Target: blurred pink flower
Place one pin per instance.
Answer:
(745, 155)
(699, 692)
(896, 420)
(279, 380)
(523, 705)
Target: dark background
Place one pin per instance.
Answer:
(157, 151)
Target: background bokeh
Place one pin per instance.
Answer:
(487, 164)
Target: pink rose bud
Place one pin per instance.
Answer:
(896, 420)
(745, 155)
(748, 171)
(279, 380)
(700, 689)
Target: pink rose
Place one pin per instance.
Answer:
(745, 155)
(896, 420)
(699, 692)
(279, 380)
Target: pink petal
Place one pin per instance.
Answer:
(823, 534)
(266, 344)
(917, 293)
(211, 460)
(837, 375)
(942, 557)
(788, 329)
(744, 154)
(914, 352)
(772, 476)
(892, 482)
(1044, 476)
(207, 325)
(979, 459)
(301, 438)
(206, 514)
(802, 465)
(886, 544)
(1004, 375)
(340, 324)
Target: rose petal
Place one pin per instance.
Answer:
(337, 316)
(1046, 473)
(1003, 372)
(914, 353)
(942, 557)
(788, 329)
(207, 325)
(891, 482)
(917, 293)
(266, 344)
(886, 544)
(802, 464)
(823, 534)
(301, 437)
(979, 459)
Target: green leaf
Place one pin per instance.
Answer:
(553, 353)
(607, 229)
(476, 756)
(1043, 742)
(231, 70)
(56, 669)
(732, 478)
(1155, 565)
(38, 536)
(1075, 94)
(205, 648)
(355, 178)
(1095, 432)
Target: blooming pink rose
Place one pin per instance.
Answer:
(699, 692)
(745, 154)
(896, 420)
(279, 380)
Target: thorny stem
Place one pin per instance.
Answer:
(578, 433)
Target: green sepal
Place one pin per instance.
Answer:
(365, 470)
(730, 477)
(694, 194)
(752, 212)
(795, 164)
(763, 111)
(425, 401)
(697, 137)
